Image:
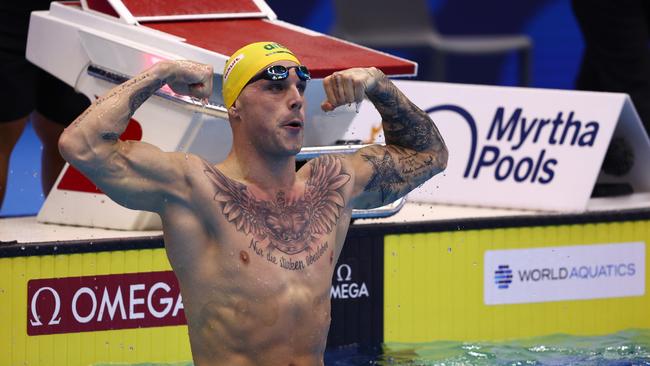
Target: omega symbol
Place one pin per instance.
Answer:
(348, 271)
(57, 307)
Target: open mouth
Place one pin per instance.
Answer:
(294, 124)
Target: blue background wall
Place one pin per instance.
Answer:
(550, 23)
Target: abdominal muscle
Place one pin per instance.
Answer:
(242, 309)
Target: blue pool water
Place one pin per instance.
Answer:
(627, 348)
(624, 348)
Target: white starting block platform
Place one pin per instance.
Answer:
(510, 148)
(106, 42)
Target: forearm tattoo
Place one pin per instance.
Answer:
(287, 231)
(140, 96)
(111, 107)
(404, 123)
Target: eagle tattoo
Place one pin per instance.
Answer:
(288, 225)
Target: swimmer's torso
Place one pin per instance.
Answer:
(255, 270)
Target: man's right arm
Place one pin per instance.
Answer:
(135, 174)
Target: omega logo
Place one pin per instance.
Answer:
(57, 308)
(347, 289)
(339, 273)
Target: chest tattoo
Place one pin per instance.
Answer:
(289, 225)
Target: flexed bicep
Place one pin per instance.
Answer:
(139, 175)
(135, 174)
(385, 173)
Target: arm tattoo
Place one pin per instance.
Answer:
(385, 176)
(415, 150)
(143, 86)
(292, 226)
(136, 100)
(393, 177)
(404, 123)
(110, 136)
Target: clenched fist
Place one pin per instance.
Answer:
(189, 78)
(349, 86)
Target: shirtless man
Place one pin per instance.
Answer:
(252, 242)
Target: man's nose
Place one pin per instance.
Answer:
(296, 98)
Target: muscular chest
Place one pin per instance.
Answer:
(292, 229)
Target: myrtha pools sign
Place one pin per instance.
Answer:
(564, 273)
(515, 147)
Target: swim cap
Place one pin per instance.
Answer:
(248, 61)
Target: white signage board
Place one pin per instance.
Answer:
(522, 148)
(578, 272)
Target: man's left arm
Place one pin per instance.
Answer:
(414, 151)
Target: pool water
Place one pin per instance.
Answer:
(625, 348)
(630, 347)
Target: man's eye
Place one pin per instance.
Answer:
(276, 86)
(302, 87)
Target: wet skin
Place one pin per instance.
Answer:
(244, 301)
(252, 242)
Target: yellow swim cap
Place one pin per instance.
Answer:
(248, 61)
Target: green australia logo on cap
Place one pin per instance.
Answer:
(272, 46)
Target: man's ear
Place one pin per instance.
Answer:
(233, 111)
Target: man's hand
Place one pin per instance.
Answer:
(189, 78)
(414, 150)
(349, 86)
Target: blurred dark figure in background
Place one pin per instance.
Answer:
(617, 56)
(28, 91)
(616, 59)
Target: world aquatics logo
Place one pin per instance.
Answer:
(503, 276)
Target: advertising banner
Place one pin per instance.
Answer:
(564, 273)
(522, 148)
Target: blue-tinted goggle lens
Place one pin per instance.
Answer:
(279, 72)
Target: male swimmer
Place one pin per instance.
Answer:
(252, 241)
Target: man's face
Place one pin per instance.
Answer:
(272, 113)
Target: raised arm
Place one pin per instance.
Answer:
(414, 151)
(135, 174)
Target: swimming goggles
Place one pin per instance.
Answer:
(279, 72)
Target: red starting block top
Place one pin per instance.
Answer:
(322, 54)
(141, 8)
